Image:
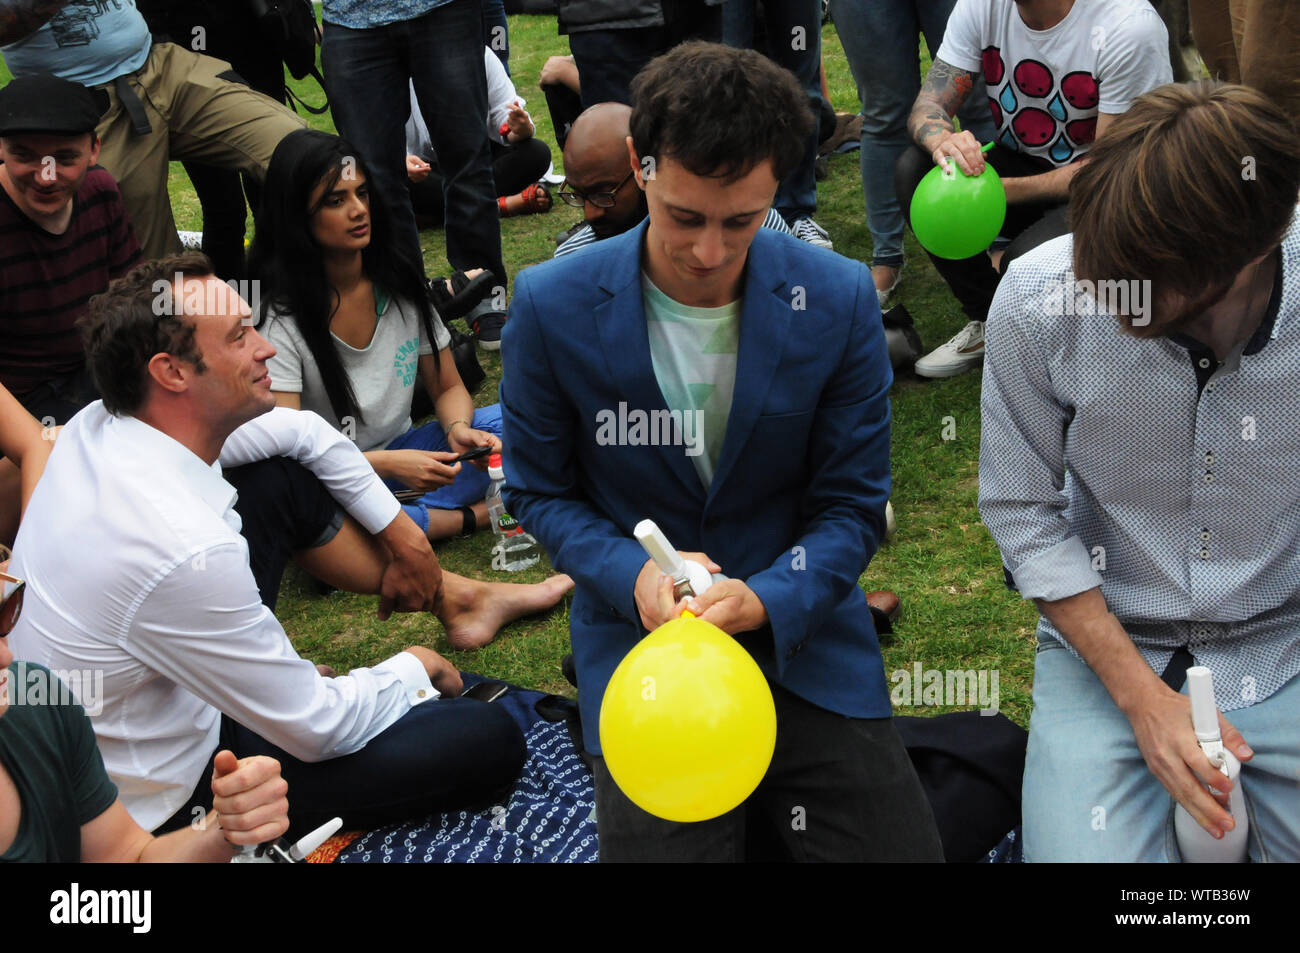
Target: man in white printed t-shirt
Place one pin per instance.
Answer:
(1057, 72)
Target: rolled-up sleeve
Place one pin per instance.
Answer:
(334, 459)
(1022, 457)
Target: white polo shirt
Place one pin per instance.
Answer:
(135, 568)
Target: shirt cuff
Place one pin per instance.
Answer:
(1064, 570)
(376, 509)
(410, 670)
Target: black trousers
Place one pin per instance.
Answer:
(608, 59)
(514, 168)
(564, 105)
(974, 280)
(838, 789)
(452, 753)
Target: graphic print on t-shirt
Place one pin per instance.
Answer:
(1031, 107)
(406, 361)
(75, 24)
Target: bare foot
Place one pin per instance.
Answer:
(473, 611)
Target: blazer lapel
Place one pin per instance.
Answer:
(764, 323)
(625, 340)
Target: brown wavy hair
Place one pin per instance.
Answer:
(1185, 189)
(124, 327)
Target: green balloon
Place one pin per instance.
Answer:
(958, 215)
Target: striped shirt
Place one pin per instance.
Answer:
(585, 235)
(46, 280)
(1151, 469)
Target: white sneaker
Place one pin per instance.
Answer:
(964, 351)
(806, 230)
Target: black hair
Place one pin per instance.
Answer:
(287, 261)
(720, 111)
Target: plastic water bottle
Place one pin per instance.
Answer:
(514, 549)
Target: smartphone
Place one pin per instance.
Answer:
(472, 454)
(486, 691)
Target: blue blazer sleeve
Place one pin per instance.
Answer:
(844, 504)
(541, 490)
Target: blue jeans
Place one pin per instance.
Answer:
(880, 40)
(471, 484)
(366, 74)
(794, 40)
(496, 31)
(1089, 796)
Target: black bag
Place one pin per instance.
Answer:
(291, 27)
(971, 767)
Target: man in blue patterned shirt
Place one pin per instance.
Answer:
(1138, 472)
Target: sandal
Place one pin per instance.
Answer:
(535, 199)
(464, 295)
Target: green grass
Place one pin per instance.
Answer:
(957, 614)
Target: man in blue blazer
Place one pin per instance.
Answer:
(769, 357)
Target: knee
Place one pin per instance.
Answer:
(538, 155)
(281, 492)
(502, 744)
(1052, 225)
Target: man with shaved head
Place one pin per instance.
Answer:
(598, 178)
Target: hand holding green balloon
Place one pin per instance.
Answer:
(955, 215)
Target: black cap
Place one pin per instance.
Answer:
(48, 104)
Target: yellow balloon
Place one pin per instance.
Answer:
(687, 724)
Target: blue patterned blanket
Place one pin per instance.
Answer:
(549, 817)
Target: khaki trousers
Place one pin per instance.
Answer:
(195, 114)
(1255, 42)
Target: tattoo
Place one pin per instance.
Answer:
(19, 19)
(948, 85)
(945, 89)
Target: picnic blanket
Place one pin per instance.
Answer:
(549, 816)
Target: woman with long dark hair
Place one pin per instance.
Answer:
(348, 312)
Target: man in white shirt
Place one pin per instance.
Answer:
(137, 570)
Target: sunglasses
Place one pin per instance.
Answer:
(11, 603)
(572, 197)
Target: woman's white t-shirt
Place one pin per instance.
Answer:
(383, 374)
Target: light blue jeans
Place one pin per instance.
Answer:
(880, 39)
(1089, 796)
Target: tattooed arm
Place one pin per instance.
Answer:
(930, 124)
(21, 18)
(945, 89)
